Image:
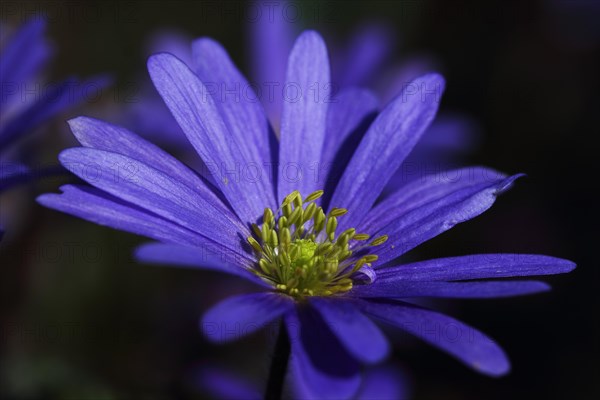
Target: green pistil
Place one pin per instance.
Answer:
(301, 254)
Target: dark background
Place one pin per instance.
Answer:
(80, 320)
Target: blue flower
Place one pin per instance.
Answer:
(322, 252)
(25, 104)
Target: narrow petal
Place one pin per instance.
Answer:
(366, 53)
(101, 208)
(198, 257)
(321, 367)
(347, 121)
(23, 54)
(438, 216)
(465, 343)
(196, 112)
(241, 110)
(101, 135)
(460, 290)
(271, 38)
(476, 266)
(357, 333)
(155, 191)
(426, 190)
(239, 316)
(307, 95)
(53, 101)
(386, 144)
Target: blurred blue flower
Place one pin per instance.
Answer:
(320, 251)
(25, 102)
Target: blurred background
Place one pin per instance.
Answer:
(80, 320)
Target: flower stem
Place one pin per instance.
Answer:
(278, 365)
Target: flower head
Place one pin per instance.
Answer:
(323, 252)
(301, 253)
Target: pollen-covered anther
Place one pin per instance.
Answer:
(300, 252)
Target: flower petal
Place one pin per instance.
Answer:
(239, 316)
(196, 112)
(303, 123)
(476, 266)
(197, 257)
(320, 365)
(271, 38)
(101, 135)
(54, 100)
(357, 333)
(347, 121)
(386, 144)
(437, 216)
(101, 208)
(465, 343)
(241, 110)
(425, 190)
(22, 55)
(462, 290)
(366, 53)
(155, 191)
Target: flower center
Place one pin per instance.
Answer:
(300, 253)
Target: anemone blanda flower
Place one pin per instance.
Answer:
(321, 252)
(24, 102)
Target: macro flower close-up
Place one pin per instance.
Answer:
(319, 260)
(297, 200)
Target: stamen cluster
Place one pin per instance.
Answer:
(299, 252)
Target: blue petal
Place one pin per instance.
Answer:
(476, 266)
(100, 135)
(101, 208)
(425, 191)
(439, 215)
(461, 341)
(156, 192)
(321, 367)
(241, 110)
(271, 38)
(197, 256)
(52, 102)
(443, 146)
(303, 123)
(386, 144)
(196, 112)
(366, 53)
(462, 290)
(347, 121)
(24, 53)
(357, 333)
(239, 316)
